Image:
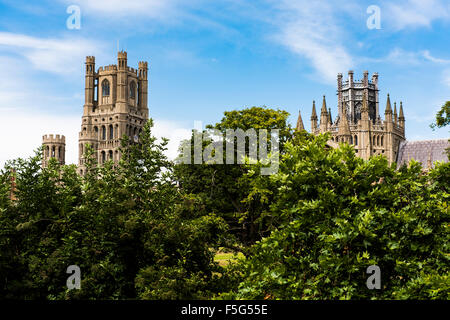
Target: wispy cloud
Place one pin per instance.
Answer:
(309, 29)
(155, 9)
(57, 55)
(416, 13)
(426, 54)
(401, 56)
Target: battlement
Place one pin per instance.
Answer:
(111, 67)
(122, 55)
(90, 59)
(359, 83)
(143, 65)
(130, 69)
(58, 139)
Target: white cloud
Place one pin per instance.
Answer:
(401, 56)
(22, 132)
(174, 131)
(25, 116)
(428, 56)
(57, 55)
(416, 13)
(158, 9)
(309, 29)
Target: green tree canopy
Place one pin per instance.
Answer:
(224, 188)
(126, 226)
(340, 214)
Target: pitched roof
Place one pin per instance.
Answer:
(424, 151)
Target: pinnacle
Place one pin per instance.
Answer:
(324, 106)
(300, 125)
(344, 127)
(401, 115)
(388, 105)
(313, 113)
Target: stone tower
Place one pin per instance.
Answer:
(358, 121)
(115, 105)
(53, 147)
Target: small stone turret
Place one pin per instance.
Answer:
(143, 85)
(53, 147)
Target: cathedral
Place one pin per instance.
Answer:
(116, 104)
(358, 123)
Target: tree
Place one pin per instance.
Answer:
(224, 189)
(442, 120)
(340, 214)
(442, 116)
(126, 226)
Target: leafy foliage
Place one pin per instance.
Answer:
(442, 116)
(146, 229)
(127, 227)
(224, 189)
(340, 214)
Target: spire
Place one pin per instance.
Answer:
(401, 116)
(388, 106)
(300, 126)
(395, 112)
(313, 118)
(330, 121)
(324, 116)
(324, 106)
(314, 114)
(344, 127)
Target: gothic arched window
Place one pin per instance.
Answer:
(111, 132)
(103, 133)
(132, 90)
(105, 88)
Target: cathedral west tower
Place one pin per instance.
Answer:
(115, 105)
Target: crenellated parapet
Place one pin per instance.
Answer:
(53, 146)
(53, 139)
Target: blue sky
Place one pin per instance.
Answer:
(207, 57)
